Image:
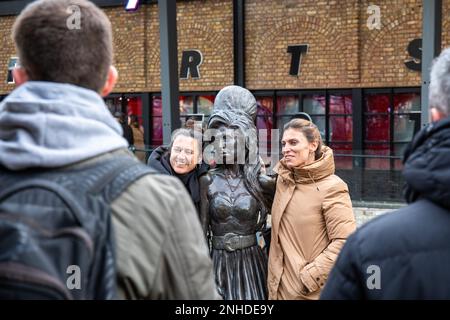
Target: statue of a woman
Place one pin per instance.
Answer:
(234, 205)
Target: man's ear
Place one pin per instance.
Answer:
(111, 81)
(436, 115)
(20, 75)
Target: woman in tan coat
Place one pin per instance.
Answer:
(312, 215)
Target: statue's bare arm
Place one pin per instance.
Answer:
(205, 181)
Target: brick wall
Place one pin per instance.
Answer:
(384, 51)
(209, 29)
(328, 27)
(343, 52)
(445, 23)
(129, 49)
(202, 25)
(6, 52)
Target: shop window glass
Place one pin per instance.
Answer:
(114, 104)
(377, 103)
(407, 116)
(341, 104)
(377, 149)
(157, 132)
(378, 117)
(186, 104)
(205, 104)
(342, 155)
(287, 104)
(406, 102)
(399, 150)
(281, 121)
(406, 123)
(264, 116)
(314, 105)
(377, 128)
(319, 121)
(377, 131)
(264, 113)
(404, 128)
(340, 128)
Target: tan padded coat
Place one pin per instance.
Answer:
(312, 217)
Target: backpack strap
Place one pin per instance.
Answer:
(121, 173)
(86, 189)
(51, 186)
(118, 181)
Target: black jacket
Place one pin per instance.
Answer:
(405, 254)
(160, 160)
(127, 133)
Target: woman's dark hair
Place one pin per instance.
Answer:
(134, 120)
(310, 131)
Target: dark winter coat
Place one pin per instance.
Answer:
(405, 254)
(160, 160)
(127, 133)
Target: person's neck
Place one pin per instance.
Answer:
(232, 169)
(310, 160)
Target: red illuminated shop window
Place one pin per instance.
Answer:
(340, 128)
(191, 105)
(264, 125)
(157, 123)
(391, 119)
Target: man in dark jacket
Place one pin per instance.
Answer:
(406, 254)
(57, 118)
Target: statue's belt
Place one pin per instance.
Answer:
(232, 241)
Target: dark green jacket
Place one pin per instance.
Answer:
(161, 250)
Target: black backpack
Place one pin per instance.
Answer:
(56, 237)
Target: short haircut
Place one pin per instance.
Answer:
(190, 133)
(310, 131)
(439, 96)
(50, 50)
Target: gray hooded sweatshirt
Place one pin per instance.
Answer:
(45, 124)
(161, 252)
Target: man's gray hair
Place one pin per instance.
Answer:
(439, 97)
(187, 133)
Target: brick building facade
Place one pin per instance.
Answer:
(353, 79)
(343, 52)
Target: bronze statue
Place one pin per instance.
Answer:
(234, 202)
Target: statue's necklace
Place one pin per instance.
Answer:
(230, 185)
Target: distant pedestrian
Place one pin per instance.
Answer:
(138, 137)
(127, 132)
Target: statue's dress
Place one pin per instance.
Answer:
(240, 274)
